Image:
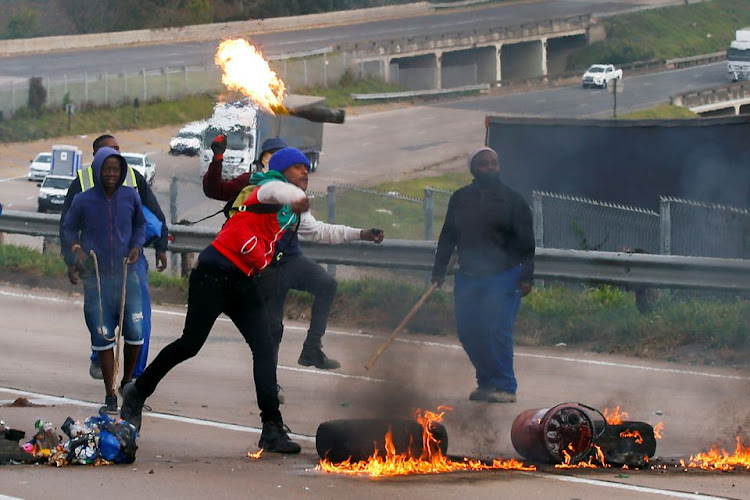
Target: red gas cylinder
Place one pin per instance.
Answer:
(541, 435)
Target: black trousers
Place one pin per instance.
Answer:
(211, 293)
(298, 273)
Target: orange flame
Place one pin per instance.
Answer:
(627, 433)
(432, 460)
(590, 464)
(658, 428)
(614, 416)
(245, 70)
(255, 455)
(716, 459)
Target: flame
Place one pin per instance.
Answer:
(615, 416)
(716, 459)
(432, 460)
(627, 433)
(590, 464)
(245, 70)
(657, 430)
(255, 455)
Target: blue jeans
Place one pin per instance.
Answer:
(486, 309)
(102, 316)
(141, 268)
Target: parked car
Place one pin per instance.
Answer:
(52, 193)
(143, 164)
(188, 140)
(39, 167)
(600, 75)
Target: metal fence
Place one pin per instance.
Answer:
(562, 221)
(299, 70)
(709, 230)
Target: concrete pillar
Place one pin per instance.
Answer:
(543, 41)
(386, 69)
(438, 70)
(499, 63)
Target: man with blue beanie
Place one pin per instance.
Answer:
(294, 270)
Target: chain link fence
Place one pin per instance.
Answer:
(704, 229)
(562, 221)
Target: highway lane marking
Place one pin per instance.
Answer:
(12, 179)
(311, 439)
(324, 373)
(628, 487)
(4, 497)
(441, 345)
(163, 416)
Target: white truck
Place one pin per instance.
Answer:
(738, 56)
(600, 75)
(247, 127)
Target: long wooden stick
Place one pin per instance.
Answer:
(406, 319)
(122, 318)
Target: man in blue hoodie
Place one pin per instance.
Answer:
(105, 228)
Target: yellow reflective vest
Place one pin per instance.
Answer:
(86, 178)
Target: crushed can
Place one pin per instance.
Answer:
(547, 435)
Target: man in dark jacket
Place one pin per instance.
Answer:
(105, 231)
(83, 182)
(491, 225)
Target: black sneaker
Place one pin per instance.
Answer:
(314, 356)
(132, 405)
(110, 405)
(95, 371)
(275, 438)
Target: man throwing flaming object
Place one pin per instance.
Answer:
(290, 268)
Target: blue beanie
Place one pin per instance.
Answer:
(274, 143)
(285, 158)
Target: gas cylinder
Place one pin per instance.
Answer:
(547, 435)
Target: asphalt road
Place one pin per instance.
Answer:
(205, 417)
(95, 61)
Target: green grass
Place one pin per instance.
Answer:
(662, 112)
(603, 319)
(23, 128)
(665, 33)
(54, 123)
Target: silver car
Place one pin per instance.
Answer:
(40, 166)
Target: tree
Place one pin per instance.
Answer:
(37, 95)
(22, 23)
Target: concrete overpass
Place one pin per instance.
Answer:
(730, 100)
(488, 55)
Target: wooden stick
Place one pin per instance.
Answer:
(119, 327)
(406, 319)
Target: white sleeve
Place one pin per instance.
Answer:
(311, 229)
(280, 193)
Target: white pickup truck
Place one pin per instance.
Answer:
(600, 75)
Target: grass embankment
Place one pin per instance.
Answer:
(665, 33)
(89, 119)
(601, 319)
(662, 112)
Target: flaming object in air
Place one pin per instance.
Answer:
(432, 460)
(246, 71)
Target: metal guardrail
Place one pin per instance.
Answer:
(419, 93)
(616, 268)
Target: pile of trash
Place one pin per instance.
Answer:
(99, 440)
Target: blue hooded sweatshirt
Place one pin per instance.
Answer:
(108, 226)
